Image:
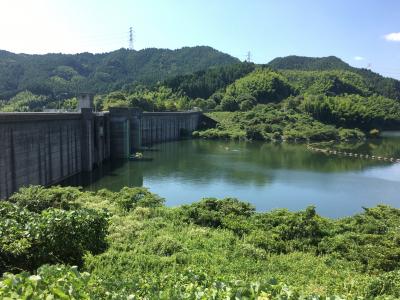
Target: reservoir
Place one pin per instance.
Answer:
(268, 175)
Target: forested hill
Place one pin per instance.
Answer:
(294, 62)
(55, 74)
(387, 87)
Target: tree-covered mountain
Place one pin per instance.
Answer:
(62, 74)
(203, 84)
(299, 98)
(387, 87)
(290, 98)
(294, 62)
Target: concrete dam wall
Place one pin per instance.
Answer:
(45, 148)
(131, 129)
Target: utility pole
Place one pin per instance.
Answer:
(248, 56)
(130, 38)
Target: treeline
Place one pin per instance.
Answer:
(384, 86)
(204, 83)
(65, 75)
(354, 111)
(128, 245)
(28, 102)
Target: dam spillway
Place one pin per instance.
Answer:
(45, 148)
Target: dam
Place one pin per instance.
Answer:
(45, 148)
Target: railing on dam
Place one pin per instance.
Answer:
(45, 148)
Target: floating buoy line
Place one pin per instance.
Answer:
(353, 155)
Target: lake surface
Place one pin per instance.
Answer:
(267, 175)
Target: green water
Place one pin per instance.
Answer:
(267, 175)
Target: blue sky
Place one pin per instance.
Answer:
(361, 32)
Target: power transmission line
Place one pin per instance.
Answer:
(248, 56)
(130, 38)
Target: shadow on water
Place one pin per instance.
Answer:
(112, 175)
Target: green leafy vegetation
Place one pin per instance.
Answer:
(274, 122)
(29, 239)
(211, 249)
(330, 83)
(157, 99)
(302, 105)
(387, 87)
(354, 110)
(50, 282)
(24, 102)
(204, 83)
(294, 62)
(264, 85)
(57, 74)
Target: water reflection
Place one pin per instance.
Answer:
(268, 175)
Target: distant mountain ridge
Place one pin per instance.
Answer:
(52, 74)
(197, 71)
(304, 63)
(388, 87)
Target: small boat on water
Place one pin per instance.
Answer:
(138, 156)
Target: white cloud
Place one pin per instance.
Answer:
(393, 37)
(358, 58)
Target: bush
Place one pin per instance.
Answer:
(38, 198)
(29, 239)
(15, 237)
(350, 134)
(212, 249)
(372, 251)
(166, 246)
(286, 231)
(247, 105)
(229, 104)
(385, 284)
(264, 85)
(50, 282)
(246, 102)
(212, 212)
(130, 198)
(65, 236)
(267, 241)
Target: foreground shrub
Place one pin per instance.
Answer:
(387, 283)
(374, 252)
(28, 239)
(38, 198)
(212, 249)
(166, 245)
(281, 231)
(130, 198)
(63, 282)
(212, 212)
(50, 282)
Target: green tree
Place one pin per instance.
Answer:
(229, 103)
